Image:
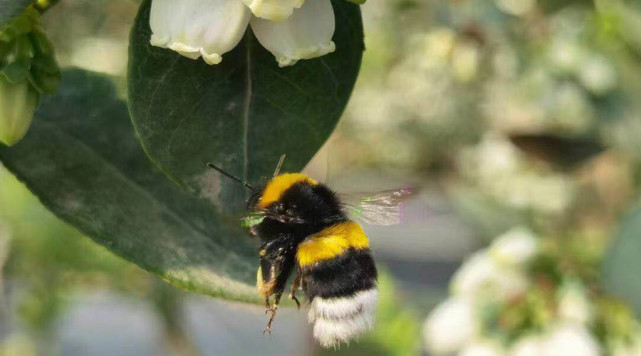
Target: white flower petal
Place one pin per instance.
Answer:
(274, 10)
(574, 303)
(480, 275)
(569, 339)
(528, 346)
(487, 348)
(194, 28)
(515, 247)
(306, 34)
(450, 326)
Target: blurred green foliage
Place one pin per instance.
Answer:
(49, 260)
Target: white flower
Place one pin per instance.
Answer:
(480, 274)
(465, 61)
(450, 326)
(515, 247)
(574, 305)
(17, 104)
(570, 339)
(528, 346)
(482, 349)
(439, 44)
(566, 55)
(290, 29)
(597, 75)
(516, 7)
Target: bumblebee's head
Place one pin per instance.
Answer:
(296, 198)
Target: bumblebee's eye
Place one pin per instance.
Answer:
(279, 208)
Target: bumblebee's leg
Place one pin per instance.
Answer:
(272, 310)
(295, 286)
(276, 266)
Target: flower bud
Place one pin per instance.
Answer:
(29, 69)
(17, 104)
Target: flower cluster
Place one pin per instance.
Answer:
(516, 298)
(28, 69)
(503, 173)
(290, 29)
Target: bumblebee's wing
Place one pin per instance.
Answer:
(384, 208)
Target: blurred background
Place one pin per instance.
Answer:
(502, 114)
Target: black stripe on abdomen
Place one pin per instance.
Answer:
(340, 276)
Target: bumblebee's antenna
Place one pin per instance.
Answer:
(279, 165)
(247, 185)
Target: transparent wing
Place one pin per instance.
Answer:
(384, 208)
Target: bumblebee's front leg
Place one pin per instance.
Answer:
(275, 268)
(295, 286)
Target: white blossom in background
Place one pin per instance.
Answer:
(504, 174)
(566, 54)
(570, 339)
(574, 304)
(528, 346)
(290, 29)
(597, 75)
(516, 7)
(571, 109)
(516, 247)
(466, 58)
(483, 348)
(450, 326)
(481, 275)
(439, 43)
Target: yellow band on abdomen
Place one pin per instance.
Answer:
(331, 242)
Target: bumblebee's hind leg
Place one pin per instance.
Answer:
(271, 308)
(295, 286)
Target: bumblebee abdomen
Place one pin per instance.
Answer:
(343, 296)
(339, 278)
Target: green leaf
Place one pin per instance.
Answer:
(622, 263)
(10, 9)
(81, 159)
(242, 114)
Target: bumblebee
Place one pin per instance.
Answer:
(305, 229)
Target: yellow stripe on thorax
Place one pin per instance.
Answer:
(331, 242)
(277, 186)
